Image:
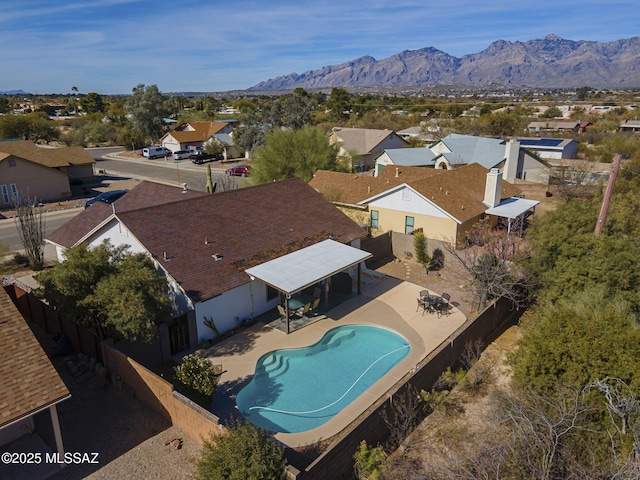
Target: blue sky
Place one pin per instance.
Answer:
(110, 46)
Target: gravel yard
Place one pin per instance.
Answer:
(129, 437)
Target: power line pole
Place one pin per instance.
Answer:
(615, 167)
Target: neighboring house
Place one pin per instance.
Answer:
(630, 126)
(196, 135)
(45, 174)
(551, 148)
(456, 150)
(426, 132)
(556, 126)
(445, 204)
(405, 157)
(361, 146)
(30, 385)
(205, 243)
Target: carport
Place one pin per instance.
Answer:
(303, 268)
(514, 209)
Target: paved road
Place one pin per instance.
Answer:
(167, 171)
(9, 232)
(170, 172)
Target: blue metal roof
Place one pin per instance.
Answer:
(411, 157)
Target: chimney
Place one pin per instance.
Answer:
(493, 188)
(512, 155)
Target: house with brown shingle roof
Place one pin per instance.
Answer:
(445, 204)
(41, 173)
(361, 146)
(195, 136)
(30, 383)
(205, 243)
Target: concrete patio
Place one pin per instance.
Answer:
(387, 302)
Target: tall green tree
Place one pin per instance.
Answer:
(107, 289)
(244, 452)
(580, 338)
(148, 107)
(339, 103)
(35, 127)
(294, 153)
(92, 102)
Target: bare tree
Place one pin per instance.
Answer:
(538, 427)
(494, 264)
(402, 415)
(31, 227)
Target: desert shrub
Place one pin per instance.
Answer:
(197, 374)
(369, 461)
(244, 452)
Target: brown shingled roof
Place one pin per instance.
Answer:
(459, 192)
(49, 157)
(145, 194)
(203, 131)
(245, 227)
(29, 380)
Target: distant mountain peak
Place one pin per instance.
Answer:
(550, 62)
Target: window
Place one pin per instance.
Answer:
(271, 292)
(14, 192)
(408, 224)
(374, 219)
(5, 195)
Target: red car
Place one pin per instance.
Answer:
(238, 171)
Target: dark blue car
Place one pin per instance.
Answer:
(106, 197)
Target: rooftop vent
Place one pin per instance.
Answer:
(216, 256)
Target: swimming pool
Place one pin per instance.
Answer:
(299, 389)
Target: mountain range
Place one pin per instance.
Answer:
(551, 62)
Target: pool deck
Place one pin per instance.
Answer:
(387, 302)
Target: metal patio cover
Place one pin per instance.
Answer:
(300, 269)
(512, 207)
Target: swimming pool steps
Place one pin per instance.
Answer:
(276, 364)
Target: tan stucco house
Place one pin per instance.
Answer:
(195, 135)
(445, 204)
(45, 174)
(361, 146)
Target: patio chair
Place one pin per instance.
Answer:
(315, 304)
(424, 293)
(282, 312)
(301, 312)
(422, 304)
(445, 305)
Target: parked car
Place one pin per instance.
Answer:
(106, 197)
(155, 152)
(238, 171)
(203, 157)
(182, 154)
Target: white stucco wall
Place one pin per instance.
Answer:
(117, 234)
(408, 201)
(232, 308)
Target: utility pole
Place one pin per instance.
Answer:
(615, 167)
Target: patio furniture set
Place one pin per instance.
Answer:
(439, 305)
(301, 304)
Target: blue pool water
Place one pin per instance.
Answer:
(299, 389)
